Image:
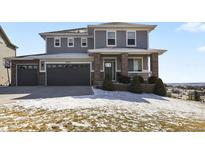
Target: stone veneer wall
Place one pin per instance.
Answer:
(97, 67)
(154, 64)
(124, 64)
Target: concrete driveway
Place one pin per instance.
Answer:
(11, 94)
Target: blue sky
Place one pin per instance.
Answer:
(183, 62)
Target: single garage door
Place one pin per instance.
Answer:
(68, 74)
(27, 75)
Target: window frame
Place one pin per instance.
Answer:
(108, 31)
(68, 42)
(136, 58)
(86, 42)
(134, 39)
(57, 38)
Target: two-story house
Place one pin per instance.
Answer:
(84, 56)
(7, 49)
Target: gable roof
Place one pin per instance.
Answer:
(84, 31)
(77, 31)
(6, 39)
(122, 25)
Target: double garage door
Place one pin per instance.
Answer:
(56, 75)
(68, 74)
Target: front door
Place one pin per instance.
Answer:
(109, 67)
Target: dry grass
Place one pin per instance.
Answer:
(93, 120)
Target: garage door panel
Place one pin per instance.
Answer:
(68, 74)
(27, 75)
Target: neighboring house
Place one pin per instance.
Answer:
(84, 56)
(7, 49)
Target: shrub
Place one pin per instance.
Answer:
(160, 89)
(135, 86)
(141, 79)
(123, 79)
(152, 79)
(108, 85)
(196, 96)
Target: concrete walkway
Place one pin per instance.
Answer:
(11, 94)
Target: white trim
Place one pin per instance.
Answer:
(68, 42)
(57, 38)
(40, 66)
(82, 42)
(127, 38)
(68, 63)
(121, 29)
(126, 50)
(116, 70)
(66, 34)
(134, 59)
(107, 31)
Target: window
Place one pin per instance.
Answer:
(57, 42)
(135, 65)
(131, 38)
(70, 42)
(83, 42)
(111, 38)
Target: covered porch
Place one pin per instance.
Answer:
(127, 62)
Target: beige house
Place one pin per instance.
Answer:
(7, 49)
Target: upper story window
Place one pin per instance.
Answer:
(111, 38)
(57, 42)
(84, 42)
(131, 38)
(70, 42)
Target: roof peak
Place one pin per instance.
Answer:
(123, 25)
(6, 38)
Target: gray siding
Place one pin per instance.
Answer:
(121, 39)
(142, 40)
(64, 47)
(90, 31)
(100, 39)
(100, 42)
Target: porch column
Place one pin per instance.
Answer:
(96, 68)
(154, 64)
(124, 64)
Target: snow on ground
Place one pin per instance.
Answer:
(148, 103)
(103, 111)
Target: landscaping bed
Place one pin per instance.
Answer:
(146, 88)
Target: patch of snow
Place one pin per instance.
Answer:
(80, 124)
(144, 104)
